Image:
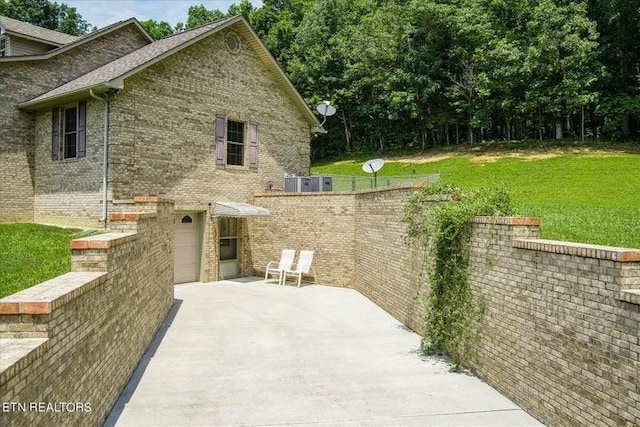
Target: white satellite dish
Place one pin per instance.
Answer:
(326, 109)
(373, 166)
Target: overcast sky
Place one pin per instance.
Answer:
(101, 13)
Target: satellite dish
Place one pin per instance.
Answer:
(373, 166)
(326, 109)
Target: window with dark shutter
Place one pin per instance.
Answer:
(69, 131)
(4, 47)
(253, 148)
(82, 126)
(235, 143)
(220, 134)
(55, 134)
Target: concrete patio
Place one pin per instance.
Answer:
(242, 353)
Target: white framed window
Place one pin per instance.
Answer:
(4, 47)
(235, 143)
(68, 131)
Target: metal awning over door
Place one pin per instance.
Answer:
(238, 210)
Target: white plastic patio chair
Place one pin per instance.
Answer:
(286, 260)
(303, 267)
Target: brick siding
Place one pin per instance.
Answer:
(163, 127)
(24, 80)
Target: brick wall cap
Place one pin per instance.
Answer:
(507, 220)
(47, 296)
(20, 350)
(339, 193)
(631, 296)
(131, 216)
(102, 241)
(585, 250)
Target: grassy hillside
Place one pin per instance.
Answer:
(32, 253)
(581, 194)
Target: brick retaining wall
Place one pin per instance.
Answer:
(78, 338)
(560, 332)
(322, 222)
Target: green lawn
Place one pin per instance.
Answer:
(32, 253)
(581, 195)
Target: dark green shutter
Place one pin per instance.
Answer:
(82, 126)
(220, 137)
(55, 133)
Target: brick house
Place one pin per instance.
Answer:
(205, 117)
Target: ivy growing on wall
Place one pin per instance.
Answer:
(438, 218)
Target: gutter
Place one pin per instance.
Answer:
(40, 102)
(105, 160)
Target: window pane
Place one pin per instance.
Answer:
(70, 133)
(228, 227)
(224, 227)
(233, 227)
(228, 249)
(235, 143)
(235, 132)
(235, 154)
(70, 116)
(70, 146)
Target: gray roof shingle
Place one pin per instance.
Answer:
(128, 64)
(31, 31)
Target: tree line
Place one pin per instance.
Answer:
(422, 73)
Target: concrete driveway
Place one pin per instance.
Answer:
(242, 353)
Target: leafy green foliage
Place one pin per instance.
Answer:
(200, 15)
(158, 30)
(443, 230)
(409, 74)
(32, 253)
(43, 13)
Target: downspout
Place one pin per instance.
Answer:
(105, 160)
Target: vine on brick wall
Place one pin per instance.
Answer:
(438, 218)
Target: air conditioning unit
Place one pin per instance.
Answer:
(297, 184)
(321, 183)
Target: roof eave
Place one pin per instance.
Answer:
(80, 41)
(35, 39)
(41, 104)
(118, 83)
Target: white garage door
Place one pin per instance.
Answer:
(187, 248)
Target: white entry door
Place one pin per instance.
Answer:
(187, 247)
(229, 248)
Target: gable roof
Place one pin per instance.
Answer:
(25, 30)
(113, 74)
(78, 41)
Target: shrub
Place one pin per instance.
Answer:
(444, 231)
